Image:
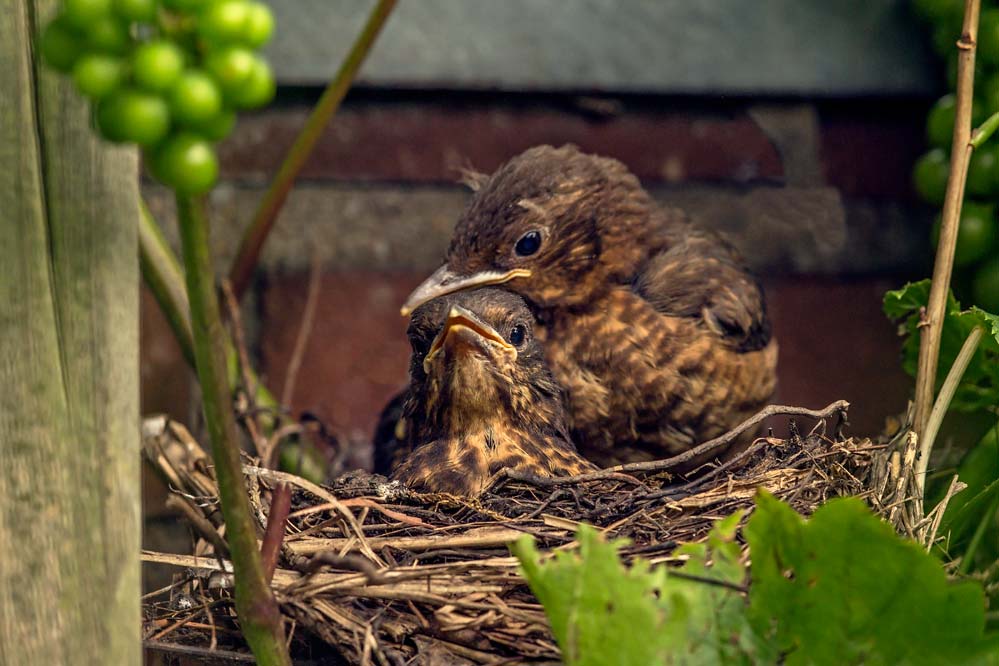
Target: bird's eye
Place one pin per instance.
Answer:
(528, 244)
(517, 335)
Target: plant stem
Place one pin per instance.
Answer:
(164, 277)
(985, 130)
(976, 538)
(267, 212)
(929, 340)
(258, 612)
(947, 391)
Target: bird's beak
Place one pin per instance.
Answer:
(444, 282)
(464, 329)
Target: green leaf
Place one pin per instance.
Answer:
(979, 388)
(969, 508)
(604, 613)
(843, 588)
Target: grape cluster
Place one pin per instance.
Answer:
(167, 75)
(976, 256)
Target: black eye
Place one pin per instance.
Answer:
(528, 243)
(517, 335)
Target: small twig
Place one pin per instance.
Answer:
(937, 513)
(348, 562)
(236, 317)
(200, 524)
(961, 148)
(267, 212)
(274, 534)
(616, 472)
(985, 130)
(304, 331)
(954, 376)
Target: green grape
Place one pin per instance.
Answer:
(985, 286)
(97, 75)
(217, 127)
(259, 25)
(157, 65)
(187, 163)
(108, 34)
(930, 176)
(232, 68)
(134, 116)
(82, 13)
(258, 89)
(61, 45)
(983, 172)
(976, 233)
(224, 22)
(195, 98)
(141, 11)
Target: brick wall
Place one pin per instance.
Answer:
(815, 194)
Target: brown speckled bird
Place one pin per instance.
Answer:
(654, 328)
(481, 397)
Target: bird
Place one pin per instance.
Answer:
(654, 327)
(481, 398)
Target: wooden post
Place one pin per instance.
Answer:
(69, 400)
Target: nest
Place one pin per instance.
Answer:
(370, 572)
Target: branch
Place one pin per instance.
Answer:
(929, 340)
(260, 619)
(267, 212)
(718, 443)
(274, 534)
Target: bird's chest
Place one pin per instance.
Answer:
(612, 361)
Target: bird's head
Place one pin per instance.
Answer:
(554, 225)
(475, 360)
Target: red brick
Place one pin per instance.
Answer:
(427, 142)
(357, 356)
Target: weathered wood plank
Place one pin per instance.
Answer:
(69, 478)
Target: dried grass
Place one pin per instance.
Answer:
(376, 574)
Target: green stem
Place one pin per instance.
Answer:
(258, 612)
(947, 391)
(976, 538)
(164, 277)
(985, 130)
(267, 212)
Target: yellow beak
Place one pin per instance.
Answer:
(444, 282)
(463, 328)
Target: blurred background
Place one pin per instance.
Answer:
(790, 125)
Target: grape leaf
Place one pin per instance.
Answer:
(604, 613)
(843, 588)
(979, 389)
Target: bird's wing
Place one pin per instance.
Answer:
(700, 275)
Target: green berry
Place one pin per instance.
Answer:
(82, 13)
(195, 98)
(134, 116)
(157, 65)
(141, 11)
(61, 44)
(108, 34)
(187, 163)
(185, 5)
(224, 22)
(258, 89)
(231, 67)
(259, 25)
(930, 176)
(97, 75)
(218, 127)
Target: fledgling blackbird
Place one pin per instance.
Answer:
(653, 327)
(480, 398)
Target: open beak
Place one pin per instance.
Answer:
(443, 282)
(464, 329)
